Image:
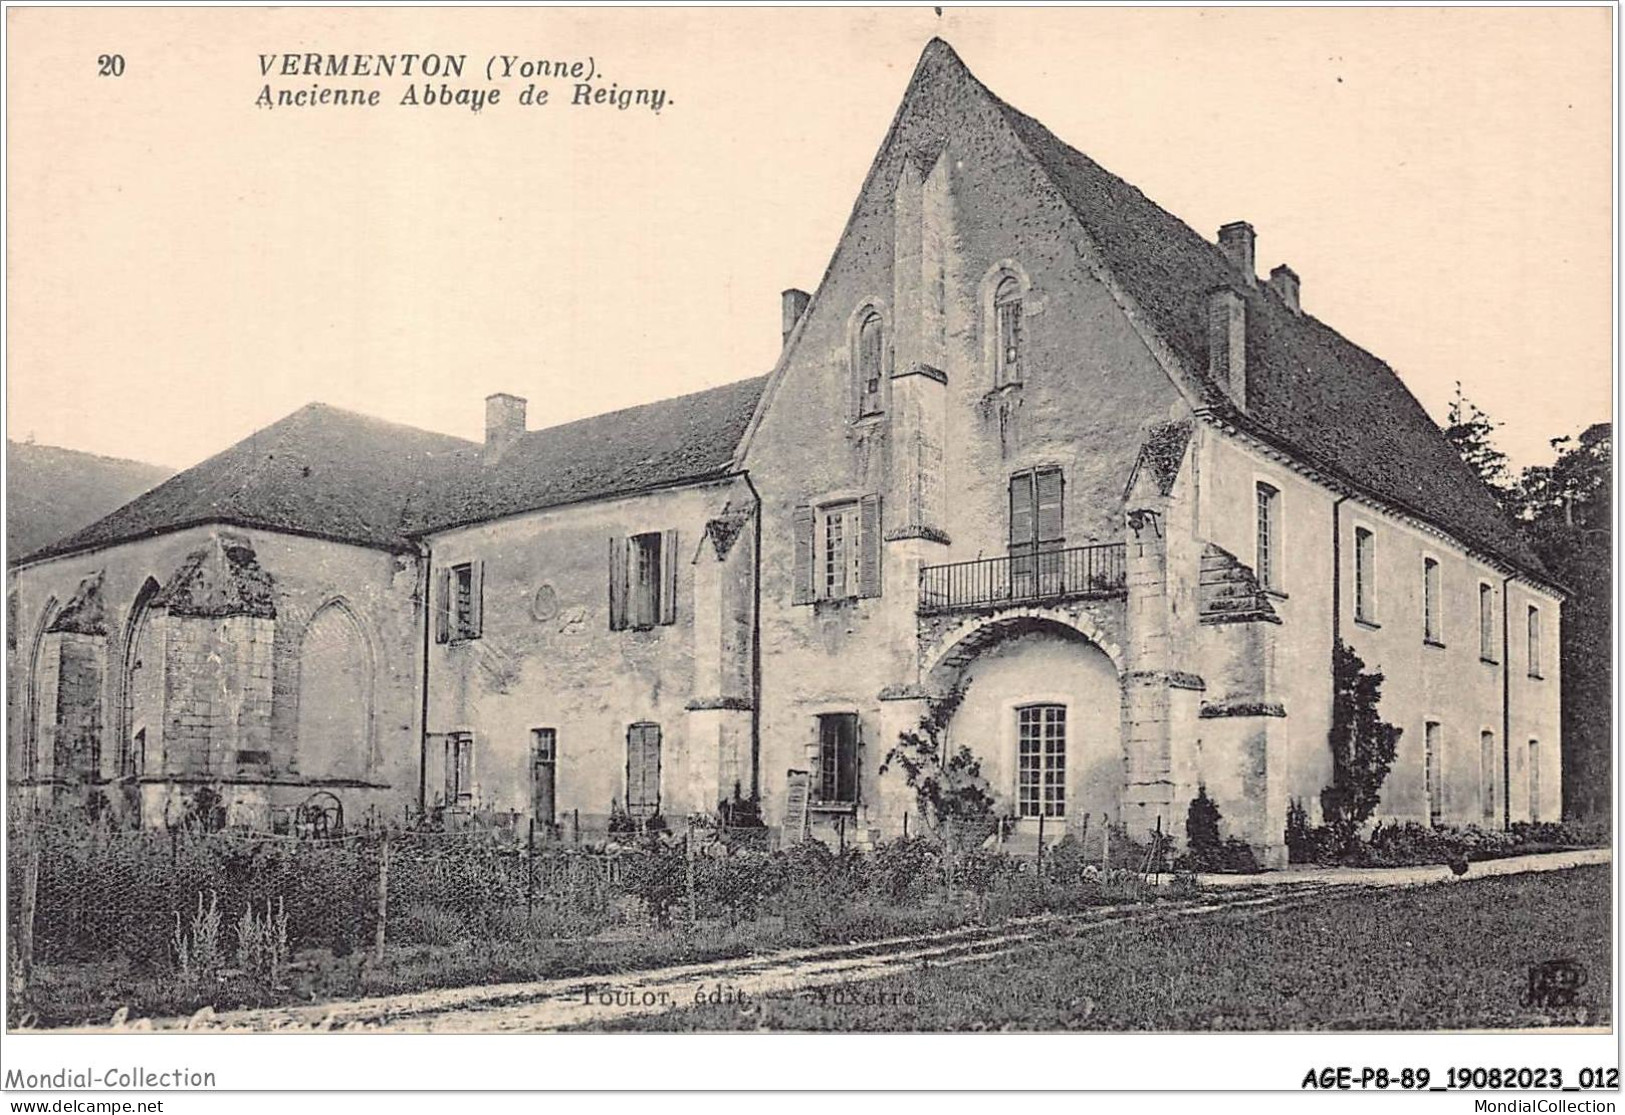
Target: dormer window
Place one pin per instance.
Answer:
(871, 361)
(1008, 326)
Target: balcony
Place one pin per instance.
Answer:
(1082, 572)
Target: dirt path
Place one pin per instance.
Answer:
(543, 1005)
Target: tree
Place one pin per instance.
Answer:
(948, 785)
(1472, 433)
(1567, 513)
(1362, 745)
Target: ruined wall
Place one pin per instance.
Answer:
(227, 687)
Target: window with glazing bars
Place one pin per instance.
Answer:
(1041, 761)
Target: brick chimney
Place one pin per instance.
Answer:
(793, 303)
(1236, 241)
(504, 421)
(1284, 282)
(1227, 343)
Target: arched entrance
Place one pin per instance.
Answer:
(1042, 710)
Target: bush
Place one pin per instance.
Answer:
(904, 872)
(1411, 844)
(424, 924)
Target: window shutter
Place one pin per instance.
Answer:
(869, 539)
(442, 607)
(801, 591)
(476, 600)
(451, 769)
(617, 583)
(1021, 510)
(668, 577)
(1051, 511)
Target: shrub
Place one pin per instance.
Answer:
(1362, 745)
(904, 871)
(1202, 823)
(425, 924)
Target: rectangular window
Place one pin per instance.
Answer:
(643, 770)
(1037, 531)
(458, 604)
(1430, 602)
(643, 580)
(838, 758)
(1269, 537)
(1487, 761)
(1365, 596)
(1486, 622)
(1041, 761)
(1430, 772)
(544, 761)
(837, 551)
(1534, 642)
(460, 769)
(1534, 781)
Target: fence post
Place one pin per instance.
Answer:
(577, 826)
(1106, 846)
(383, 900)
(30, 899)
(688, 855)
(1038, 860)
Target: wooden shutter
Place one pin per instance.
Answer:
(643, 769)
(442, 607)
(869, 539)
(617, 583)
(801, 573)
(668, 577)
(476, 600)
(1051, 513)
(1021, 510)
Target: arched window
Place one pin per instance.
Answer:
(1008, 324)
(335, 696)
(871, 363)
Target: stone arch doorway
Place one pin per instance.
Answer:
(334, 736)
(1042, 710)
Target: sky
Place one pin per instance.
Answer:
(184, 268)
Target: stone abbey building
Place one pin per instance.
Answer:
(1032, 437)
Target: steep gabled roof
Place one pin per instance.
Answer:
(321, 471)
(329, 473)
(1310, 391)
(688, 438)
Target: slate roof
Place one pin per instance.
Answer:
(331, 473)
(320, 471)
(1310, 390)
(688, 438)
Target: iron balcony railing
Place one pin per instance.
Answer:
(1082, 571)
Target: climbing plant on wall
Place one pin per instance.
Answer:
(1362, 744)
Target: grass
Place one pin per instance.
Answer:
(1444, 957)
(78, 994)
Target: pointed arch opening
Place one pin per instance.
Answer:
(28, 767)
(334, 737)
(141, 685)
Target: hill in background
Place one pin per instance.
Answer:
(53, 492)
